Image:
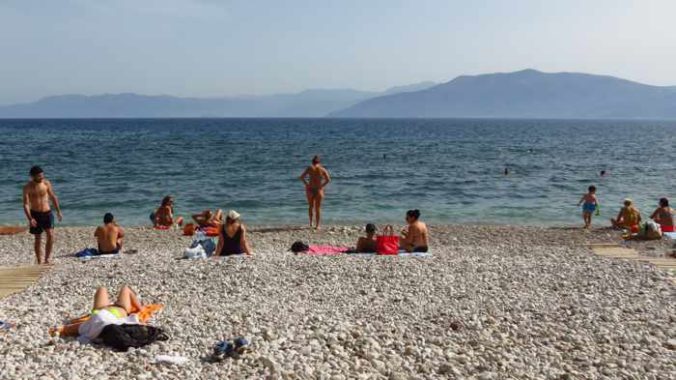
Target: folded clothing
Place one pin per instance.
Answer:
(88, 252)
(91, 329)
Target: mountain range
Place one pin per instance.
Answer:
(522, 94)
(309, 103)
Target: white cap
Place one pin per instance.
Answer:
(232, 214)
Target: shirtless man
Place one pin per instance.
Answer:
(109, 236)
(37, 194)
(315, 178)
(414, 238)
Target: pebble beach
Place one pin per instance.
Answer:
(492, 302)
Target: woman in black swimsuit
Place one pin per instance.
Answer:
(232, 239)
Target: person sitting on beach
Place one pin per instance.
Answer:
(367, 244)
(164, 215)
(589, 204)
(628, 218)
(105, 313)
(664, 216)
(207, 218)
(414, 237)
(315, 178)
(109, 236)
(233, 238)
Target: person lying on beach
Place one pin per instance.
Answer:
(233, 238)
(664, 215)
(628, 218)
(315, 178)
(207, 218)
(367, 244)
(164, 215)
(415, 237)
(589, 204)
(109, 236)
(105, 313)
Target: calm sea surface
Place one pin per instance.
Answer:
(452, 170)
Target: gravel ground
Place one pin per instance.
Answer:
(492, 303)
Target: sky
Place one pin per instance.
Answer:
(227, 47)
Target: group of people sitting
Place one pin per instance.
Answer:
(414, 238)
(629, 217)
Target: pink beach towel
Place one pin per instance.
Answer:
(326, 250)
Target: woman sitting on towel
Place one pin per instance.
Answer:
(664, 216)
(106, 313)
(628, 218)
(414, 237)
(164, 215)
(207, 218)
(367, 244)
(232, 239)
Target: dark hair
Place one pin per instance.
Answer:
(371, 228)
(315, 160)
(35, 170)
(413, 214)
(592, 188)
(166, 200)
(664, 202)
(108, 218)
(299, 246)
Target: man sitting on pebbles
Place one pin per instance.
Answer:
(414, 237)
(109, 236)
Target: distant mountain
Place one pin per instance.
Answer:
(524, 94)
(309, 103)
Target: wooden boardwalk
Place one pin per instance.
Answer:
(618, 252)
(16, 279)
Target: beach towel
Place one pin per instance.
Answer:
(73, 326)
(326, 250)
(93, 252)
(670, 235)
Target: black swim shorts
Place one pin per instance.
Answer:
(44, 220)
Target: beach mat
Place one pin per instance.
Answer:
(670, 235)
(11, 230)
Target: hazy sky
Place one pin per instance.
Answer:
(223, 47)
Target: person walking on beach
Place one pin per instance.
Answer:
(589, 204)
(315, 178)
(109, 236)
(37, 194)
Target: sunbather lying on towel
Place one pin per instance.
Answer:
(207, 218)
(106, 313)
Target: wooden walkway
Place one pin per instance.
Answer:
(16, 279)
(618, 252)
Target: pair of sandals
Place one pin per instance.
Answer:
(230, 349)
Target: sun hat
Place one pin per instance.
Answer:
(232, 214)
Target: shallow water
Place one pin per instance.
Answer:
(452, 170)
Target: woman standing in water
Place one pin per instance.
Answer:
(315, 178)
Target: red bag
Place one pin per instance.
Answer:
(388, 242)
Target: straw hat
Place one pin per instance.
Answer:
(232, 214)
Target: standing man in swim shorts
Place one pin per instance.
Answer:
(37, 194)
(315, 178)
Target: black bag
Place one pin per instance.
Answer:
(121, 337)
(299, 246)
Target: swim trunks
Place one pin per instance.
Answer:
(420, 249)
(589, 207)
(666, 228)
(44, 220)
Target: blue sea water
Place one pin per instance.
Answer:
(452, 170)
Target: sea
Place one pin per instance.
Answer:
(452, 170)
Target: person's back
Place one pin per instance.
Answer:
(367, 244)
(631, 216)
(664, 215)
(418, 231)
(109, 236)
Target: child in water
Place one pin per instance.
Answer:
(589, 204)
